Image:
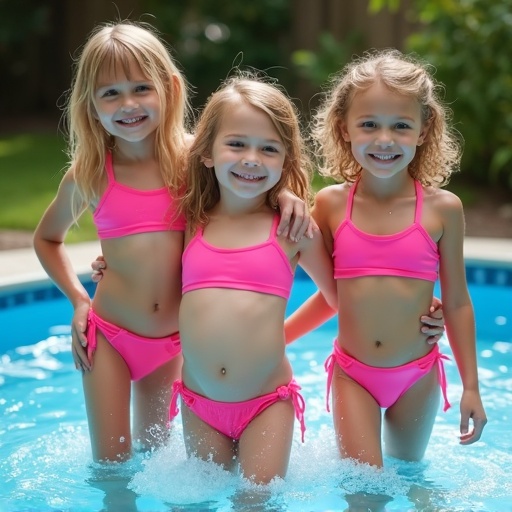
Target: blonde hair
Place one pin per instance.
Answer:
(203, 189)
(439, 155)
(121, 44)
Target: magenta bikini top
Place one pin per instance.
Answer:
(409, 253)
(263, 268)
(124, 211)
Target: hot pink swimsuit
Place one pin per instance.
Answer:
(124, 211)
(410, 253)
(262, 268)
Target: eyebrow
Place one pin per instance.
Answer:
(242, 136)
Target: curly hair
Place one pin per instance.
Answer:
(439, 155)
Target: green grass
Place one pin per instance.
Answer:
(32, 166)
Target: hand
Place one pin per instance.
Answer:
(78, 338)
(295, 219)
(471, 407)
(433, 324)
(98, 265)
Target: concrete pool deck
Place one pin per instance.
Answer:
(19, 267)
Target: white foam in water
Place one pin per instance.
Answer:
(45, 458)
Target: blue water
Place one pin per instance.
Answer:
(45, 461)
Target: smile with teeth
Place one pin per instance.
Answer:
(132, 120)
(249, 177)
(384, 158)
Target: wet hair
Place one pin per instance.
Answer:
(439, 155)
(120, 45)
(203, 189)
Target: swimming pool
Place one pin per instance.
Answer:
(45, 461)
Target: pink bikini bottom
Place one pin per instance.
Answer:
(142, 355)
(232, 418)
(386, 385)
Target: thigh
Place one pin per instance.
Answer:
(356, 419)
(205, 442)
(107, 398)
(265, 445)
(409, 422)
(151, 399)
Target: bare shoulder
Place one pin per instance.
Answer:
(443, 200)
(331, 196)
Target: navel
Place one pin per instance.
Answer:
(223, 371)
(156, 307)
(378, 343)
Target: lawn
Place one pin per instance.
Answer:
(31, 167)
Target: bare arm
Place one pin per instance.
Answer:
(460, 319)
(49, 246)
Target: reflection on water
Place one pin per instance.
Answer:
(45, 461)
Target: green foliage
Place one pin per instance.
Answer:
(211, 38)
(32, 167)
(470, 42)
(330, 56)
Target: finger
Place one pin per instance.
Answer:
(467, 438)
(433, 322)
(79, 364)
(464, 424)
(96, 277)
(432, 340)
(302, 228)
(284, 223)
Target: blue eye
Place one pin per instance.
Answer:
(368, 124)
(402, 126)
(109, 93)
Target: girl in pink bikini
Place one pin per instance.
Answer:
(238, 395)
(392, 231)
(127, 146)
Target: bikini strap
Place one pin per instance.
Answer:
(419, 202)
(275, 223)
(177, 389)
(109, 167)
(350, 200)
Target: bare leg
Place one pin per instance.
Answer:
(205, 442)
(265, 445)
(357, 420)
(107, 398)
(151, 398)
(409, 422)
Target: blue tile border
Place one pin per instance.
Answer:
(40, 293)
(476, 274)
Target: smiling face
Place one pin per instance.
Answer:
(248, 154)
(384, 130)
(126, 102)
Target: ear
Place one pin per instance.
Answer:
(342, 127)
(423, 133)
(207, 161)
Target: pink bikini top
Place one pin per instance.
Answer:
(124, 211)
(263, 268)
(409, 253)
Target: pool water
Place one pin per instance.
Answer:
(46, 465)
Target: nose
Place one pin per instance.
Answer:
(251, 159)
(384, 139)
(129, 104)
